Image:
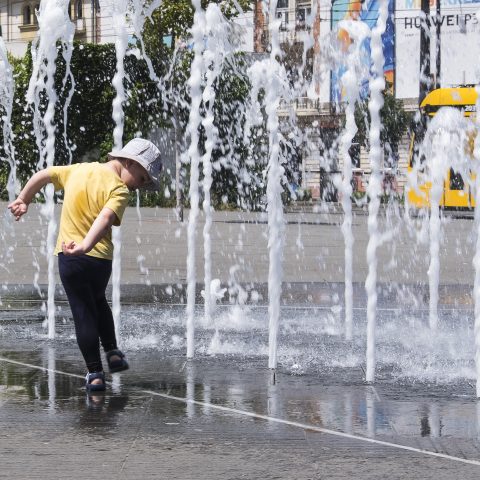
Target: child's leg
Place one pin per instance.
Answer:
(105, 323)
(81, 277)
(106, 326)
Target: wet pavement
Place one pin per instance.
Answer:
(205, 420)
(224, 415)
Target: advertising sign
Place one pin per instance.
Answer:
(366, 12)
(459, 44)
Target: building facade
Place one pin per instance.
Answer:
(454, 46)
(19, 25)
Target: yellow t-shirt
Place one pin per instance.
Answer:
(88, 187)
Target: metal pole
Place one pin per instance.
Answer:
(424, 82)
(438, 57)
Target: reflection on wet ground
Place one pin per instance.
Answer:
(227, 396)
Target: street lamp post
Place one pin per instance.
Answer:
(438, 58)
(424, 83)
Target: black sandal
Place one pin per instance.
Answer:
(95, 387)
(116, 365)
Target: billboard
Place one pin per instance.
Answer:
(366, 12)
(459, 44)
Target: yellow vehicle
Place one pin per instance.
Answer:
(455, 193)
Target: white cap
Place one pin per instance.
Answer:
(146, 154)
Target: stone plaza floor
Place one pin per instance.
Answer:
(218, 419)
(223, 415)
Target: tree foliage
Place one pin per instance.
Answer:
(175, 18)
(89, 129)
(236, 178)
(395, 122)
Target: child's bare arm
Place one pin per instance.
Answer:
(100, 227)
(20, 206)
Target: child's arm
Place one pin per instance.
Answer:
(20, 206)
(100, 227)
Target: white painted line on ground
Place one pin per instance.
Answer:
(281, 421)
(38, 367)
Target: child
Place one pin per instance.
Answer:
(95, 198)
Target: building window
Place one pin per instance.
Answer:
(72, 10)
(35, 11)
(304, 10)
(27, 14)
(282, 13)
(75, 10)
(284, 17)
(79, 9)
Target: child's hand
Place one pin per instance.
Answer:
(72, 248)
(18, 208)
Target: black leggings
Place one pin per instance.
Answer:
(85, 280)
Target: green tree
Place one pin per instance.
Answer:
(174, 18)
(395, 122)
(237, 180)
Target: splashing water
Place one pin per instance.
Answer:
(7, 91)
(270, 88)
(351, 81)
(377, 85)
(54, 26)
(194, 121)
(139, 14)
(217, 50)
(444, 149)
(121, 43)
(269, 75)
(276, 222)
